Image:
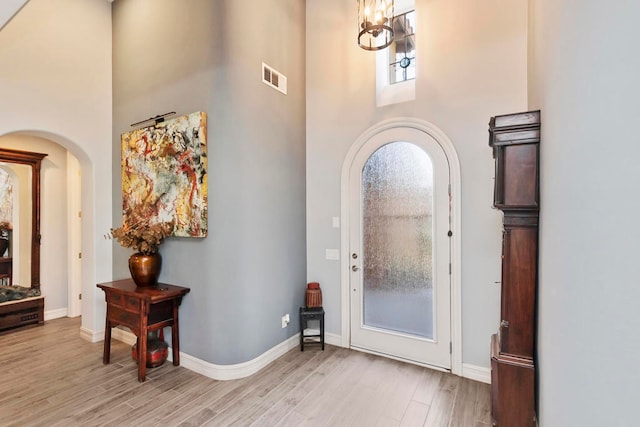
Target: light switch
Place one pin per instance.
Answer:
(332, 254)
(335, 221)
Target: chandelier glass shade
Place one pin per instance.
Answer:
(375, 24)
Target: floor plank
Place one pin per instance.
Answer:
(52, 377)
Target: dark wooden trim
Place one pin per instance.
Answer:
(30, 312)
(35, 161)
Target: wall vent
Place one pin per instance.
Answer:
(274, 78)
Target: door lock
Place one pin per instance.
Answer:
(355, 268)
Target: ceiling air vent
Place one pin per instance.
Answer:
(274, 78)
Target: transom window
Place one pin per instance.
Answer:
(402, 52)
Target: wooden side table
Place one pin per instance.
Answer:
(311, 313)
(142, 310)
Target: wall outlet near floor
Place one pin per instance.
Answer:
(285, 320)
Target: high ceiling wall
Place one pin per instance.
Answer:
(471, 65)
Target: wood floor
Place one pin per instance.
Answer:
(51, 377)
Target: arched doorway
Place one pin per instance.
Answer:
(61, 222)
(400, 245)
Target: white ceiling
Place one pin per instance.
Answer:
(8, 8)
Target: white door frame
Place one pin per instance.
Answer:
(74, 236)
(454, 169)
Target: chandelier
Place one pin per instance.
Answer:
(375, 20)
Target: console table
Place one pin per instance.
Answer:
(142, 310)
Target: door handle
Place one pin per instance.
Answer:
(355, 268)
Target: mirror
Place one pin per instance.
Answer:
(22, 258)
(15, 224)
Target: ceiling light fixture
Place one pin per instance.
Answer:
(375, 18)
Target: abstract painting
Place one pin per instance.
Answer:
(164, 175)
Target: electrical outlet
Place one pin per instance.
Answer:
(285, 320)
(332, 254)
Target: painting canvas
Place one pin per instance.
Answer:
(164, 175)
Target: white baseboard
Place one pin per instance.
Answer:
(245, 369)
(333, 339)
(123, 335)
(240, 370)
(55, 314)
(91, 336)
(220, 372)
(472, 372)
(476, 373)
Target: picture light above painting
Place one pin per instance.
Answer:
(164, 175)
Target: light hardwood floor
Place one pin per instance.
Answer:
(51, 377)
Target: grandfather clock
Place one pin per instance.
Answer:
(515, 139)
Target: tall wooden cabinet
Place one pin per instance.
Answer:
(515, 139)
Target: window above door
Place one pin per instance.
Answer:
(396, 70)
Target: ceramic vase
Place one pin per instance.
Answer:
(145, 269)
(157, 350)
(313, 295)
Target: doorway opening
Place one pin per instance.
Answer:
(400, 269)
(61, 224)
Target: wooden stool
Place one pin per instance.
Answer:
(311, 313)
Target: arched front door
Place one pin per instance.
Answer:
(399, 241)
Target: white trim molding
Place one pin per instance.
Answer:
(472, 372)
(123, 335)
(55, 314)
(456, 271)
(476, 373)
(333, 339)
(239, 370)
(91, 336)
(220, 372)
(245, 369)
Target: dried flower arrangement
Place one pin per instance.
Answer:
(143, 238)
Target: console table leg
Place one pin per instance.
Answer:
(142, 356)
(322, 330)
(175, 339)
(106, 352)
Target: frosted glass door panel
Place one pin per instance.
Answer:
(399, 247)
(397, 229)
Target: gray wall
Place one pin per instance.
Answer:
(204, 55)
(584, 77)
